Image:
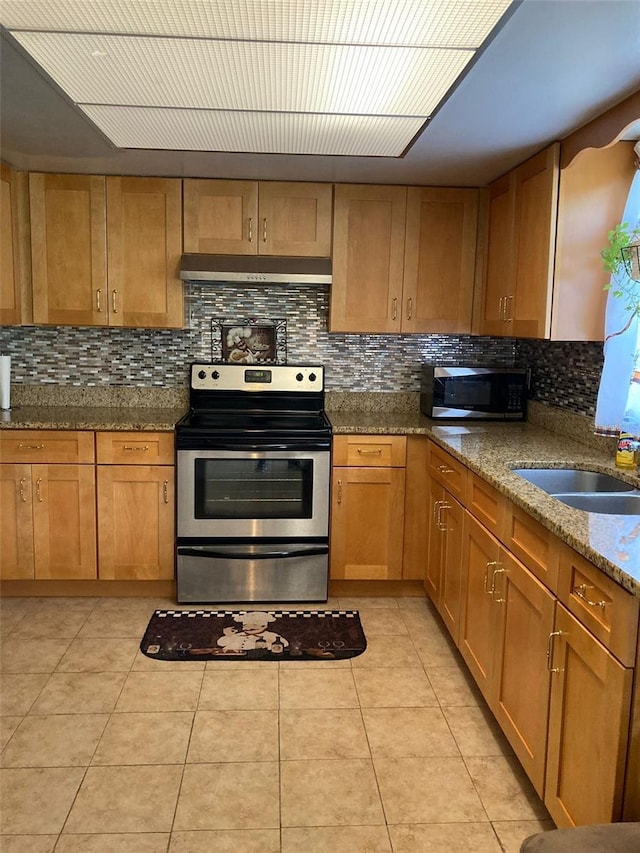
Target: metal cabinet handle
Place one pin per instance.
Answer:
(38, 492)
(442, 526)
(140, 449)
(581, 592)
(499, 571)
(250, 230)
(23, 497)
(30, 446)
(550, 666)
(339, 495)
(436, 508)
(165, 491)
(501, 307)
(264, 230)
(375, 452)
(508, 308)
(409, 308)
(98, 304)
(114, 301)
(444, 470)
(394, 308)
(486, 577)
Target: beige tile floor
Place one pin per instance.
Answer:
(107, 751)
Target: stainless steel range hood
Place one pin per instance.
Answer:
(260, 269)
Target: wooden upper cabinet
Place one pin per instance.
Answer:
(439, 260)
(519, 249)
(368, 258)
(144, 238)
(249, 218)
(13, 247)
(593, 193)
(536, 195)
(68, 249)
(106, 252)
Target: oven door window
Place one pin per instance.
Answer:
(253, 488)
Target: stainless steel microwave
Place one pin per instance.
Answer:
(474, 393)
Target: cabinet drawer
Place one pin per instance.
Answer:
(380, 451)
(532, 543)
(134, 448)
(47, 446)
(604, 607)
(487, 504)
(447, 470)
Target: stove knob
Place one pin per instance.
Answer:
(299, 377)
(202, 374)
(312, 377)
(215, 375)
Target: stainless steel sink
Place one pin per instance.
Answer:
(608, 503)
(557, 481)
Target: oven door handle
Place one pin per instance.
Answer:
(223, 554)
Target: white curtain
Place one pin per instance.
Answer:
(618, 407)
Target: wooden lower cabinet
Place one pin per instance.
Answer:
(136, 522)
(48, 522)
(588, 729)
(507, 616)
(443, 574)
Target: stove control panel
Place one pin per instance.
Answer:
(258, 377)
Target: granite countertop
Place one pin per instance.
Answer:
(492, 450)
(125, 418)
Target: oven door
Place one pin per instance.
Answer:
(252, 493)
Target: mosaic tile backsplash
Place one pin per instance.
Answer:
(563, 374)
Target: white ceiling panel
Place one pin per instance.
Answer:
(449, 23)
(141, 71)
(202, 130)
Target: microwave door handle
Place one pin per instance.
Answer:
(284, 553)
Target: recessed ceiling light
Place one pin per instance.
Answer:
(341, 77)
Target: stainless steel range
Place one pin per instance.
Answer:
(253, 468)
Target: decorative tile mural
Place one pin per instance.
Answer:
(563, 374)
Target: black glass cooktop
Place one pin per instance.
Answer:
(242, 422)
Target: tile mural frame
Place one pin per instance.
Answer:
(232, 339)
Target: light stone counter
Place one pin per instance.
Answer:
(611, 542)
(125, 418)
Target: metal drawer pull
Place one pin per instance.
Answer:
(114, 301)
(140, 449)
(394, 309)
(550, 651)
(375, 452)
(98, 305)
(486, 577)
(499, 571)
(264, 230)
(250, 233)
(444, 470)
(339, 495)
(581, 590)
(165, 491)
(409, 308)
(38, 492)
(30, 446)
(23, 497)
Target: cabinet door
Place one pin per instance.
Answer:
(12, 254)
(367, 523)
(136, 522)
(68, 249)
(439, 260)
(295, 219)
(588, 728)
(416, 512)
(368, 258)
(480, 558)
(536, 189)
(144, 222)
(221, 217)
(64, 522)
(499, 256)
(519, 695)
(16, 530)
(451, 520)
